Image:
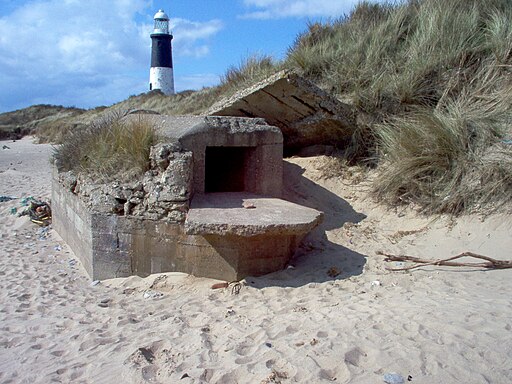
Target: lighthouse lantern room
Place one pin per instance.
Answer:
(161, 74)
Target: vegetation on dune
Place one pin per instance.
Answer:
(16, 124)
(432, 81)
(250, 70)
(435, 77)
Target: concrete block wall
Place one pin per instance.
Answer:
(110, 245)
(71, 219)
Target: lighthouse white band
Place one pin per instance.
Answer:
(162, 78)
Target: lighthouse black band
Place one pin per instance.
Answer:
(161, 51)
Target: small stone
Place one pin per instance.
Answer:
(150, 294)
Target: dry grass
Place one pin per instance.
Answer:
(108, 148)
(250, 71)
(35, 119)
(451, 159)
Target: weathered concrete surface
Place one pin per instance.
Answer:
(262, 162)
(248, 215)
(89, 234)
(305, 114)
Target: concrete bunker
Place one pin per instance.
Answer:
(209, 206)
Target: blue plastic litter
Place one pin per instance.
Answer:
(3, 199)
(26, 201)
(393, 378)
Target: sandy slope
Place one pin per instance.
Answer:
(438, 325)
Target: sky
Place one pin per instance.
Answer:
(88, 53)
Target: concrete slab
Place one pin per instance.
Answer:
(305, 114)
(243, 214)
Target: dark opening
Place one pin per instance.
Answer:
(225, 169)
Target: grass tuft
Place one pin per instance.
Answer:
(432, 81)
(108, 148)
(452, 159)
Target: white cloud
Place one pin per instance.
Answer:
(84, 50)
(275, 9)
(188, 34)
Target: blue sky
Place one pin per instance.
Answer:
(87, 53)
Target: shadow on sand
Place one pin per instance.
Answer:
(316, 255)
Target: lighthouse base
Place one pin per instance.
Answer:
(162, 78)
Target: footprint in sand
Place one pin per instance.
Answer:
(355, 357)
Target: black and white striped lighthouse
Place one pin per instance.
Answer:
(161, 74)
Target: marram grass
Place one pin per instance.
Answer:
(108, 148)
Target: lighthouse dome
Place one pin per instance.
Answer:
(161, 15)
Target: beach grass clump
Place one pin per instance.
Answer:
(454, 158)
(108, 148)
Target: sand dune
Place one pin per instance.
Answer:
(335, 315)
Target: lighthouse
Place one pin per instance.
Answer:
(161, 74)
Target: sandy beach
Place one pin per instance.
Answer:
(334, 315)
